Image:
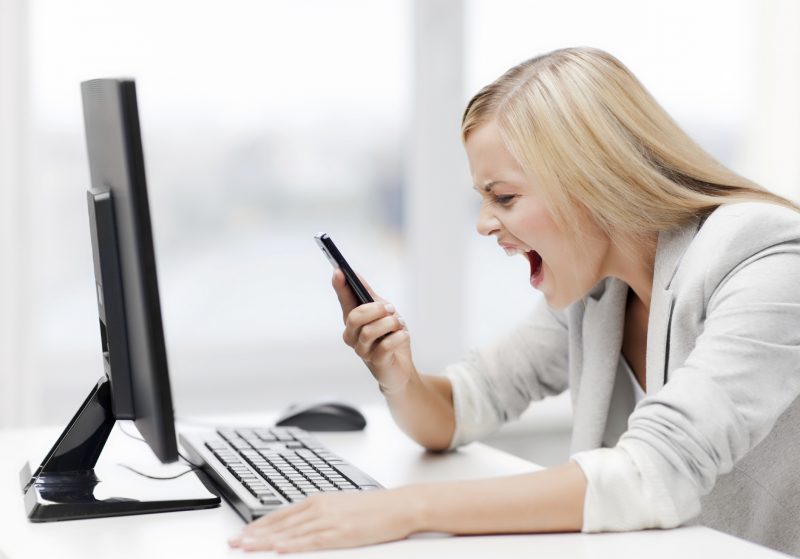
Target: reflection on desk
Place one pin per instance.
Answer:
(381, 450)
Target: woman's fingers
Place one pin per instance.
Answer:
(287, 516)
(373, 333)
(287, 524)
(272, 538)
(281, 519)
(358, 318)
(318, 540)
(383, 353)
(327, 521)
(361, 317)
(347, 299)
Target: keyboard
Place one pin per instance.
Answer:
(260, 469)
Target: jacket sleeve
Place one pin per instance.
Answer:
(742, 374)
(495, 384)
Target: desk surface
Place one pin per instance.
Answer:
(382, 450)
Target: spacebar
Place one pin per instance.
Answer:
(354, 474)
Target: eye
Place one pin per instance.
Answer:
(504, 200)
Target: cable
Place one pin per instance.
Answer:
(192, 466)
(176, 476)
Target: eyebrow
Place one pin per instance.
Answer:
(488, 186)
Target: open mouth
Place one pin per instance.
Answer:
(535, 260)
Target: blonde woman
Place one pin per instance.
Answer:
(671, 311)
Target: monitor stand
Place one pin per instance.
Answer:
(65, 486)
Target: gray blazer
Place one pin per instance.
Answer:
(716, 440)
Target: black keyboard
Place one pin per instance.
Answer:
(258, 470)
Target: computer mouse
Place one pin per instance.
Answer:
(327, 415)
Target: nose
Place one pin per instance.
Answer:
(487, 222)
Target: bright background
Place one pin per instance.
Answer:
(265, 121)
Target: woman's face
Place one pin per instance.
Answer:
(514, 212)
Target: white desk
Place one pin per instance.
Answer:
(382, 450)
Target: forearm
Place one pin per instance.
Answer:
(546, 501)
(423, 409)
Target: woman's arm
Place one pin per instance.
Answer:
(423, 409)
(723, 398)
(545, 501)
(422, 405)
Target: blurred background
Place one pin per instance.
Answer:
(265, 121)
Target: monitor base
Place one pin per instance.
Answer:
(74, 495)
(65, 486)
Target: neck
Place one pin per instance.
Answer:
(633, 263)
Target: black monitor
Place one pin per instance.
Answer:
(135, 385)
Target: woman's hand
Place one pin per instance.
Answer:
(326, 521)
(377, 334)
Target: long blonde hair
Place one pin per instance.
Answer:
(590, 135)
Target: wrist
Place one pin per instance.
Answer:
(394, 390)
(400, 388)
(415, 508)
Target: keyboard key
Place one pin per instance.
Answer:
(227, 434)
(354, 474)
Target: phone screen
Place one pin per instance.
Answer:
(338, 261)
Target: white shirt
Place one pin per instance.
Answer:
(638, 393)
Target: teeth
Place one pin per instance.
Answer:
(513, 251)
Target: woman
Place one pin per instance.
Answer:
(672, 314)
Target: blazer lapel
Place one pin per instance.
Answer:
(603, 319)
(669, 250)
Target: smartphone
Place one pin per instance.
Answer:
(337, 261)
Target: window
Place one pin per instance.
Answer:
(262, 123)
(266, 121)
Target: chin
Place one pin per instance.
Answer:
(559, 301)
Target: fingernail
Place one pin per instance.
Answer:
(389, 308)
(401, 320)
(235, 541)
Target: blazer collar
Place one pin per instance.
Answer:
(602, 326)
(670, 249)
(601, 334)
(601, 331)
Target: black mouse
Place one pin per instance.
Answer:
(323, 416)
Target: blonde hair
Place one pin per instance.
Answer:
(590, 135)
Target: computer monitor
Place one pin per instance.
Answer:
(135, 385)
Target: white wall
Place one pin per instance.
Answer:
(19, 401)
(437, 194)
(771, 150)
(244, 290)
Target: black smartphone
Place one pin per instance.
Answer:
(337, 261)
